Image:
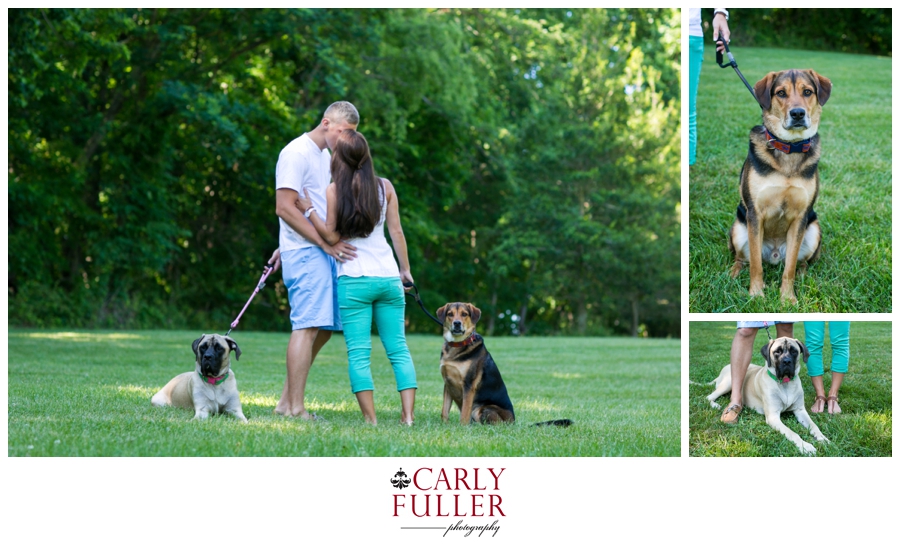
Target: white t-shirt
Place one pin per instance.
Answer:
(301, 164)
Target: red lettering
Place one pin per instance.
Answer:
(496, 505)
(442, 476)
(396, 505)
(474, 505)
(496, 477)
(416, 476)
(463, 478)
(439, 507)
(456, 505)
(427, 506)
(476, 481)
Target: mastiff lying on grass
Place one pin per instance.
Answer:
(211, 387)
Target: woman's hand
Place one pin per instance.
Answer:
(304, 202)
(406, 278)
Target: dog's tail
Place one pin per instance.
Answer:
(564, 423)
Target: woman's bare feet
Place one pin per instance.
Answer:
(818, 405)
(833, 407)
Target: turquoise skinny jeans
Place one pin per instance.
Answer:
(695, 62)
(360, 300)
(840, 347)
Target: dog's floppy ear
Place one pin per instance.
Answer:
(234, 347)
(442, 312)
(475, 312)
(763, 90)
(196, 344)
(823, 87)
(804, 350)
(765, 352)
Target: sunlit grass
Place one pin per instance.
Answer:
(74, 393)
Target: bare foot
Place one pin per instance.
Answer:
(833, 407)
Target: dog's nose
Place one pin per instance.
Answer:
(798, 114)
(457, 323)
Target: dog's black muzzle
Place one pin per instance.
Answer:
(210, 362)
(456, 328)
(798, 118)
(785, 368)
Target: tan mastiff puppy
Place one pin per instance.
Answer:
(211, 388)
(775, 220)
(774, 389)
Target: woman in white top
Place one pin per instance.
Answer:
(359, 204)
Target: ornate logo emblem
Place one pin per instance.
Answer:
(400, 480)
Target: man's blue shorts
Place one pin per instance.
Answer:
(310, 276)
(757, 325)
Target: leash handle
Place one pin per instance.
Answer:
(415, 294)
(267, 270)
(733, 63)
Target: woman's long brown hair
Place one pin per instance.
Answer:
(359, 197)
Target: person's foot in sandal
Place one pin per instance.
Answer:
(731, 414)
(818, 405)
(833, 407)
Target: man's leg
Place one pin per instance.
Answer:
(299, 361)
(741, 354)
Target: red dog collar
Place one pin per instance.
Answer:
(215, 381)
(787, 147)
(465, 342)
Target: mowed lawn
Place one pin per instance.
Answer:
(853, 273)
(87, 393)
(862, 429)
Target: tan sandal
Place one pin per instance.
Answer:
(824, 405)
(731, 414)
(837, 408)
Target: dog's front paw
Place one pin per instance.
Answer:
(807, 448)
(822, 439)
(789, 297)
(758, 290)
(715, 405)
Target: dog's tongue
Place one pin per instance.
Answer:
(785, 379)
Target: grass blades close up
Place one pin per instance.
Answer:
(853, 273)
(862, 429)
(87, 393)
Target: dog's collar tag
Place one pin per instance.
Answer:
(465, 342)
(787, 147)
(215, 381)
(784, 380)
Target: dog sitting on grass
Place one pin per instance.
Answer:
(471, 378)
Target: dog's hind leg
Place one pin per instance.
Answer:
(723, 387)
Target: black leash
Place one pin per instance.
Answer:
(766, 325)
(421, 304)
(733, 63)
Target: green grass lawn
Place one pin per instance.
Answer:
(87, 393)
(862, 429)
(853, 273)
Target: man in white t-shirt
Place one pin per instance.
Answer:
(310, 272)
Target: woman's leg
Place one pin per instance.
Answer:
(389, 319)
(815, 339)
(839, 333)
(354, 298)
(695, 63)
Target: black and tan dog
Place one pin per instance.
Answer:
(471, 378)
(211, 388)
(780, 180)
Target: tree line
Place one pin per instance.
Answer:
(535, 152)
